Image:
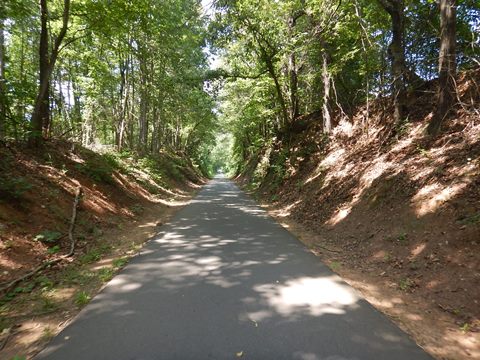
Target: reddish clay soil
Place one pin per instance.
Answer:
(394, 212)
(52, 176)
(121, 207)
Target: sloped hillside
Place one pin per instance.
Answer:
(124, 200)
(395, 212)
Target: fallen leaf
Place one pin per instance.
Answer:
(239, 354)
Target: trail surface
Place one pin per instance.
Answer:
(224, 281)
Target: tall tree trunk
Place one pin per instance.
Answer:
(278, 88)
(42, 107)
(396, 51)
(447, 65)
(327, 120)
(41, 112)
(3, 92)
(143, 118)
(292, 69)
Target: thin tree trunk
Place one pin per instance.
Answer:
(294, 111)
(447, 65)
(3, 92)
(292, 69)
(278, 88)
(21, 100)
(396, 51)
(327, 120)
(143, 117)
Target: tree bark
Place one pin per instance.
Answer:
(292, 69)
(278, 88)
(447, 65)
(143, 118)
(396, 51)
(41, 112)
(327, 120)
(3, 92)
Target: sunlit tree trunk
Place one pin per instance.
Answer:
(447, 65)
(327, 119)
(396, 50)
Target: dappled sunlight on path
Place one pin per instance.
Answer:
(223, 278)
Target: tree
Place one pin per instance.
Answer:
(3, 93)
(41, 113)
(396, 52)
(447, 66)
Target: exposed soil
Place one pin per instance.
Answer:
(124, 203)
(394, 212)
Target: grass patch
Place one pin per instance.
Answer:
(406, 284)
(82, 298)
(77, 276)
(105, 274)
(120, 262)
(47, 305)
(13, 188)
(47, 334)
(335, 265)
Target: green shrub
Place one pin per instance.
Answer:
(82, 298)
(48, 237)
(105, 274)
(13, 187)
(97, 171)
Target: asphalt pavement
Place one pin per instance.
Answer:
(223, 280)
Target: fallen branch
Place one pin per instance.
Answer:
(78, 194)
(30, 274)
(48, 263)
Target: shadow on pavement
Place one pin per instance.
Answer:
(224, 281)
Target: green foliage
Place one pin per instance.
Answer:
(98, 171)
(105, 274)
(47, 334)
(78, 276)
(120, 262)
(82, 298)
(48, 305)
(137, 209)
(27, 288)
(335, 265)
(406, 284)
(19, 357)
(53, 250)
(465, 328)
(13, 188)
(94, 254)
(470, 219)
(402, 237)
(44, 283)
(48, 236)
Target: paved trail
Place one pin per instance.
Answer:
(224, 281)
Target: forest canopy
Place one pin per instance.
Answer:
(134, 75)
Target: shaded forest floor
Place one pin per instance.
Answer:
(125, 201)
(394, 212)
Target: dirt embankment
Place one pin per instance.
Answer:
(394, 212)
(124, 201)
